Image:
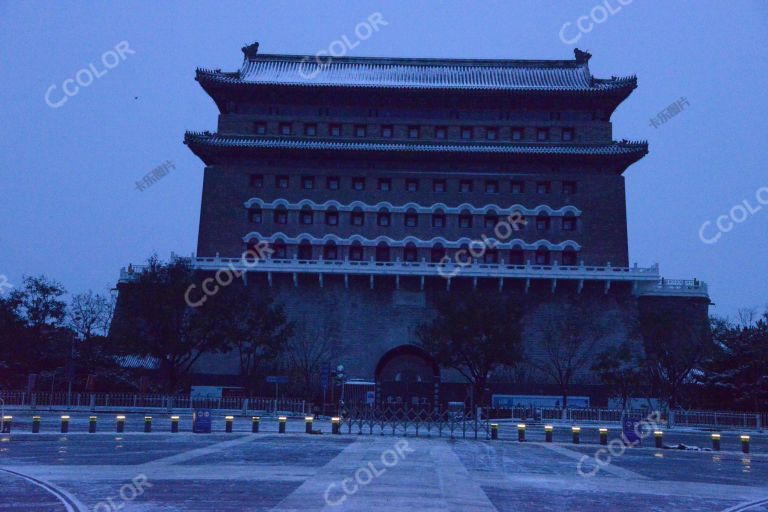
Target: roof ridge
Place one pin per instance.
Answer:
(417, 61)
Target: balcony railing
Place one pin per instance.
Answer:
(647, 280)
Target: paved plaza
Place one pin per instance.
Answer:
(161, 471)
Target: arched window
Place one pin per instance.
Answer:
(411, 253)
(542, 256)
(491, 256)
(280, 215)
(357, 217)
(438, 219)
(569, 257)
(383, 218)
(491, 219)
(280, 251)
(437, 253)
(356, 251)
(569, 222)
(465, 219)
(463, 256)
(306, 216)
(255, 215)
(332, 217)
(516, 256)
(330, 251)
(305, 250)
(411, 218)
(382, 252)
(542, 222)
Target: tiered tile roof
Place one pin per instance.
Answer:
(203, 140)
(402, 73)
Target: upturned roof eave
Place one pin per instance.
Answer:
(211, 147)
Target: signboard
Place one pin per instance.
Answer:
(201, 421)
(277, 379)
(631, 428)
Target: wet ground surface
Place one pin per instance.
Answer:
(161, 471)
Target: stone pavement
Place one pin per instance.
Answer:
(298, 472)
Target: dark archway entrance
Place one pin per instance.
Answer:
(407, 377)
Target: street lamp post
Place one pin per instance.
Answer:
(339, 376)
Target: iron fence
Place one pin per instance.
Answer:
(400, 421)
(717, 419)
(95, 401)
(678, 417)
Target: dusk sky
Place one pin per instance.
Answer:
(71, 209)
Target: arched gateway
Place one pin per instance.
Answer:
(408, 377)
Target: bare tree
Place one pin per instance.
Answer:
(474, 333)
(310, 348)
(677, 342)
(90, 314)
(570, 335)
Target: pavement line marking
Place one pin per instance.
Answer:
(120, 472)
(71, 504)
(199, 452)
(608, 468)
(458, 489)
(747, 506)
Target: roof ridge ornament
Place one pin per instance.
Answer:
(581, 57)
(250, 50)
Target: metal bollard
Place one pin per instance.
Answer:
(521, 432)
(147, 424)
(494, 431)
(255, 424)
(174, 424)
(120, 424)
(281, 424)
(7, 423)
(308, 424)
(548, 429)
(228, 424)
(35, 424)
(92, 425)
(745, 443)
(716, 442)
(64, 424)
(603, 436)
(576, 434)
(658, 436)
(335, 425)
